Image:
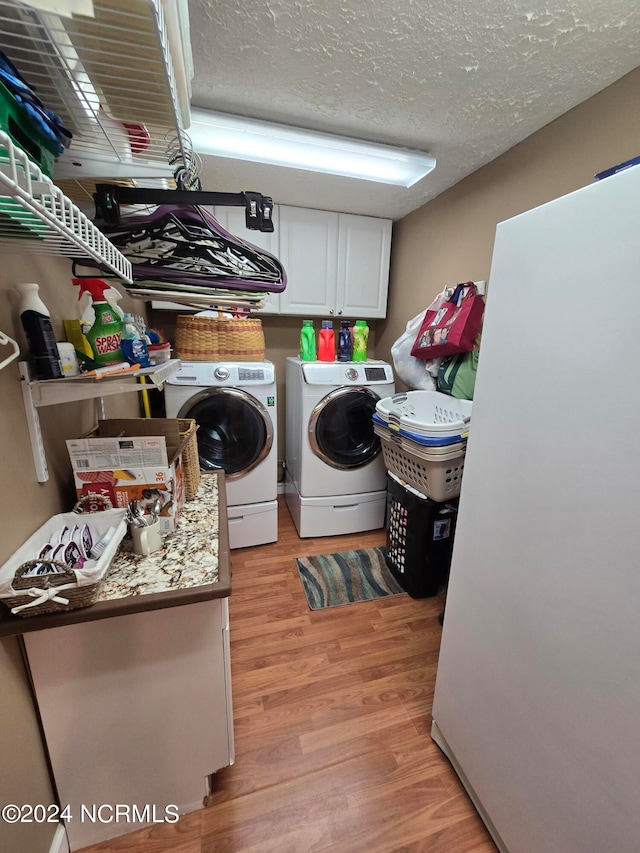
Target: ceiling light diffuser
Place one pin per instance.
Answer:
(239, 138)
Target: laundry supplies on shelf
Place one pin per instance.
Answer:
(345, 341)
(307, 341)
(36, 322)
(133, 344)
(327, 342)
(105, 335)
(360, 340)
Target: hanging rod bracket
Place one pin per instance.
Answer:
(109, 197)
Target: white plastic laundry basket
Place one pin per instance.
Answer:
(428, 413)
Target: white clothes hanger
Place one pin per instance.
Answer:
(5, 339)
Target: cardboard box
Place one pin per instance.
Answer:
(129, 459)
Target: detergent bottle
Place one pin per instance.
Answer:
(307, 341)
(327, 342)
(106, 333)
(345, 342)
(360, 338)
(36, 322)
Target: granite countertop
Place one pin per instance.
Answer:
(193, 565)
(188, 558)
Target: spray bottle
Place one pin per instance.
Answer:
(106, 333)
(36, 322)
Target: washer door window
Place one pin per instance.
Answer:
(234, 430)
(341, 429)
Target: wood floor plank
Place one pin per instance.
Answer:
(332, 716)
(185, 836)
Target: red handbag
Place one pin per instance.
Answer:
(453, 327)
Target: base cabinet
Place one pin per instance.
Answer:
(136, 711)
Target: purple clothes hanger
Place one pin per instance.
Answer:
(185, 245)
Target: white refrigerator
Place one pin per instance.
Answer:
(537, 698)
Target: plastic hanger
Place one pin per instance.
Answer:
(184, 247)
(5, 339)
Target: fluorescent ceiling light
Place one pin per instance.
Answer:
(261, 142)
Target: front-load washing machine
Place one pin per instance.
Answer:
(234, 405)
(335, 474)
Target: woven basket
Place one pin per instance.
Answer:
(77, 596)
(190, 458)
(37, 594)
(219, 338)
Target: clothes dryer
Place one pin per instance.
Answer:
(335, 474)
(234, 405)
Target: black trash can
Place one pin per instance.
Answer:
(419, 539)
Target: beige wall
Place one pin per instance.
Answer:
(451, 239)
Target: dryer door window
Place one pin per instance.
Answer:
(341, 428)
(234, 430)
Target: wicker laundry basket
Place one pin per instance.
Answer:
(219, 338)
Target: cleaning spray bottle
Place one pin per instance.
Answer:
(36, 322)
(106, 333)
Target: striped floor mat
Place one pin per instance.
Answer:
(333, 579)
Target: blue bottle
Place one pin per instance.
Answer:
(133, 345)
(345, 342)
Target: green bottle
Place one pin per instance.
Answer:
(307, 341)
(106, 333)
(360, 338)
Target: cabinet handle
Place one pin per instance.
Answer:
(340, 311)
(331, 311)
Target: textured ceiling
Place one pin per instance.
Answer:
(461, 81)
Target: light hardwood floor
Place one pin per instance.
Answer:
(332, 713)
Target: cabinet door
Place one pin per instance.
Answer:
(309, 253)
(363, 266)
(232, 219)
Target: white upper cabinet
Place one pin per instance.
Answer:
(309, 254)
(337, 264)
(364, 249)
